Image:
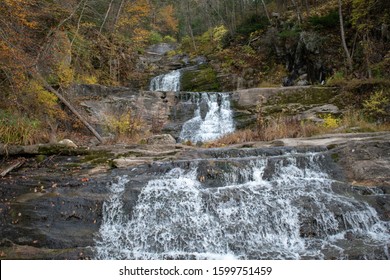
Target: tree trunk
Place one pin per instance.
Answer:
(344, 43)
(266, 11)
(106, 16)
(188, 23)
(307, 8)
(118, 13)
(38, 76)
(367, 54)
(298, 11)
(78, 23)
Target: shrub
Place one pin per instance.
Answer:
(62, 76)
(169, 39)
(18, 130)
(330, 121)
(126, 126)
(328, 21)
(376, 107)
(252, 24)
(155, 37)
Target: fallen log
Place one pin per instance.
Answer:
(40, 149)
(67, 104)
(13, 165)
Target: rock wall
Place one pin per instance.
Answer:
(99, 103)
(300, 101)
(167, 111)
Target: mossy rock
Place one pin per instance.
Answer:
(203, 79)
(306, 96)
(61, 150)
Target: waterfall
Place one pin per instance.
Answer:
(217, 122)
(274, 207)
(166, 82)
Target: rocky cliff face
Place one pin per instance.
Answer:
(167, 111)
(305, 103)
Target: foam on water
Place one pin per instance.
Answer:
(166, 82)
(217, 122)
(274, 208)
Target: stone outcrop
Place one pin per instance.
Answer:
(162, 139)
(300, 101)
(51, 207)
(167, 111)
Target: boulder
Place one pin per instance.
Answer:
(162, 139)
(314, 113)
(67, 143)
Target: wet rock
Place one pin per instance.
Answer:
(366, 163)
(52, 209)
(129, 162)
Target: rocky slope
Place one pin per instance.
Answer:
(51, 206)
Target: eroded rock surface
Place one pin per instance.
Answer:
(51, 206)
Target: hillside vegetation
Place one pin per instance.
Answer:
(344, 43)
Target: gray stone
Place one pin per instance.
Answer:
(57, 212)
(67, 143)
(129, 162)
(163, 139)
(313, 113)
(161, 48)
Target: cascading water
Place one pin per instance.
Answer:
(275, 207)
(166, 82)
(217, 122)
(204, 126)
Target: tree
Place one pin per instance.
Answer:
(166, 22)
(343, 41)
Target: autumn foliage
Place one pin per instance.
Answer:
(66, 42)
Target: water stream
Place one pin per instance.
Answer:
(215, 122)
(237, 204)
(213, 116)
(166, 82)
(266, 207)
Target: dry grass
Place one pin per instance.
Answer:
(355, 121)
(239, 136)
(280, 127)
(19, 130)
(290, 127)
(126, 127)
(286, 127)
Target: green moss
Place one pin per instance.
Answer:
(73, 165)
(97, 157)
(328, 21)
(132, 154)
(61, 150)
(335, 157)
(40, 158)
(306, 96)
(204, 79)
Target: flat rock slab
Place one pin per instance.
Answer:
(52, 208)
(129, 162)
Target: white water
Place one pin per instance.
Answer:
(166, 82)
(217, 122)
(290, 213)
